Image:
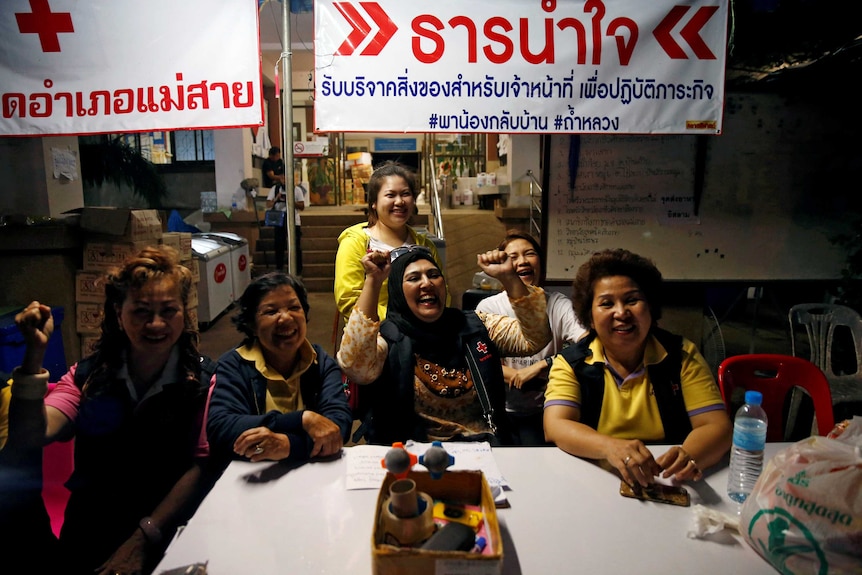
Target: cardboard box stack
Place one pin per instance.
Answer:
(359, 164)
(182, 242)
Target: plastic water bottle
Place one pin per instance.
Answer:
(746, 455)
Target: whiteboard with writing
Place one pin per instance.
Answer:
(751, 219)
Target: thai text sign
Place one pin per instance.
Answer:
(72, 67)
(529, 66)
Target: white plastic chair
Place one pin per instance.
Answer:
(822, 322)
(712, 341)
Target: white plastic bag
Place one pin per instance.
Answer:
(804, 514)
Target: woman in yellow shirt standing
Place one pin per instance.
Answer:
(391, 204)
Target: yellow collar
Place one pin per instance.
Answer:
(653, 353)
(254, 353)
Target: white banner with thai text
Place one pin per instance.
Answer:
(520, 66)
(75, 67)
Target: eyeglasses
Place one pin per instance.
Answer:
(400, 251)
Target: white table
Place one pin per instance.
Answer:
(566, 516)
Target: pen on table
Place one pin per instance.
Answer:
(479, 546)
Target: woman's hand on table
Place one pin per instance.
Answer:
(130, 558)
(261, 444)
(633, 460)
(325, 433)
(677, 463)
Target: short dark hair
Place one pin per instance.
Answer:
(375, 182)
(246, 316)
(616, 262)
(274, 150)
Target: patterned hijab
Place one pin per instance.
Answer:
(436, 341)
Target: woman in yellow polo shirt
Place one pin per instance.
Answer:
(630, 383)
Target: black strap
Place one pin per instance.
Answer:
(481, 390)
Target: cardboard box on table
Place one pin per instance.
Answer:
(125, 225)
(465, 487)
(114, 234)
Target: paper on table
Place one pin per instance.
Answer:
(365, 470)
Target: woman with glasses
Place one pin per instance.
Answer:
(433, 372)
(135, 409)
(629, 383)
(276, 396)
(391, 204)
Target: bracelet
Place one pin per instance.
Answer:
(151, 532)
(549, 360)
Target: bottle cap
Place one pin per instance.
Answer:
(753, 397)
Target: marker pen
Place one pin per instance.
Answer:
(479, 546)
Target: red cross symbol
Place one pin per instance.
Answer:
(45, 23)
(482, 347)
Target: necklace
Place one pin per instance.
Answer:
(443, 382)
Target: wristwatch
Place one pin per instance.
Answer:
(151, 532)
(549, 360)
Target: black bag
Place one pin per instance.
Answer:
(274, 218)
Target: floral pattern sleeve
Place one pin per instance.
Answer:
(363, 351)
(527, 332)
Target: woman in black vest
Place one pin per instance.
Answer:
(629, 383)
(430, 372)
(135, 408)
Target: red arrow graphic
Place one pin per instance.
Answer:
(690, 32)
(361, 29)
(386, 25)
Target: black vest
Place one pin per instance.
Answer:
(127, 458)
(390, 400)
(664, 377)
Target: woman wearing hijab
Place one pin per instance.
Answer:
(433, 372)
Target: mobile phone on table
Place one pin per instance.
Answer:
(658, 492)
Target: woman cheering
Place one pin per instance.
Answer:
(135, 408)
(434, 372)
(629, 383)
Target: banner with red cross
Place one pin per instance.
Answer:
(72, 67)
